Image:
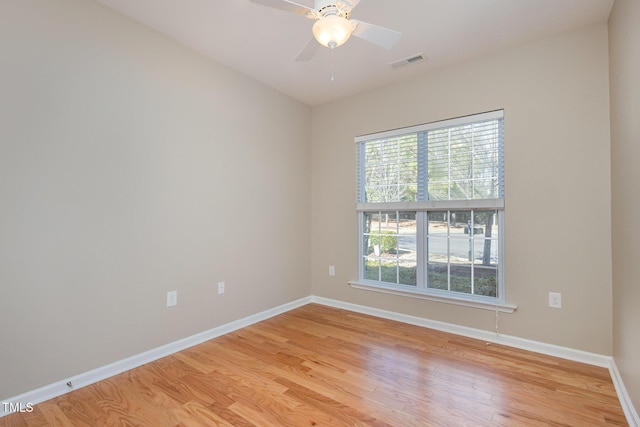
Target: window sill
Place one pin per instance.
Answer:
(415, 293)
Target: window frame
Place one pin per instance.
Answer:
(422, 209)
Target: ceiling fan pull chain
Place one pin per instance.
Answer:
(333, 64)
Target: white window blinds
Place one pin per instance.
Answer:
(458, 159)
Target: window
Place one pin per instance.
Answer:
(430, 209)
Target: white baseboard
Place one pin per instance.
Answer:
(59, 388)
(78, 381)
(625, 400)
(521, 343)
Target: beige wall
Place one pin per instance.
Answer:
(131, 166)
(557, 238)
(624, 57)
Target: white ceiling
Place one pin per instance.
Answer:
(262, 42)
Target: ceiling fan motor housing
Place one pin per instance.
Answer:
(326, 8)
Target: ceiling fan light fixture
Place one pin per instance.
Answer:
(332, 31)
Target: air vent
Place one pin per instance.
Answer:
(413, 59)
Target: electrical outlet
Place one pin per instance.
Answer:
(555, 300)
(172, 298)
(332, 270)
(220, 288)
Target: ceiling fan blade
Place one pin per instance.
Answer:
(308, 50)
(380, 36)
(285, 5)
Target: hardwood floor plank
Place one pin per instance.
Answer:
(343, 414)
(321, 366)
(194, 414)
(83, 411)
(55, 416)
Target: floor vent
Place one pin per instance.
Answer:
(413, 59)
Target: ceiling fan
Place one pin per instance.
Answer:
(333, 26)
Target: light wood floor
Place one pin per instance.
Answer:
(320, 366)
